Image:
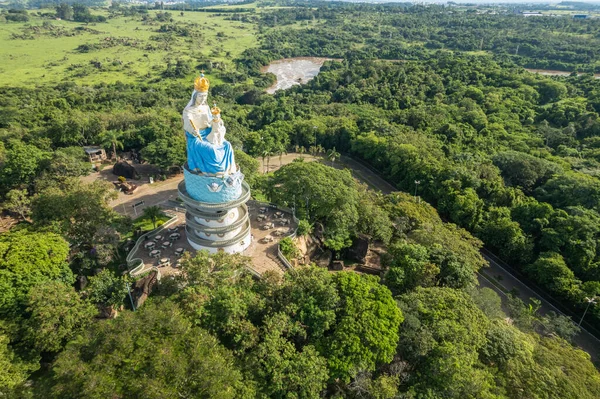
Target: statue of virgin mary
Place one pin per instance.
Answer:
(206, 152)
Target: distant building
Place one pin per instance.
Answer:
(532, 14)
(580, 16)
(96, 154)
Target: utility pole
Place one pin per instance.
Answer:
(417, 182)
(130, 297)
(590, 301)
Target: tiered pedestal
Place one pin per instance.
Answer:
(219, 220)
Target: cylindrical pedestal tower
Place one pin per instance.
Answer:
(217, 216)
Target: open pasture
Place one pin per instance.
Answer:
(46, 50)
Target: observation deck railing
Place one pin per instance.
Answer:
(135, 265)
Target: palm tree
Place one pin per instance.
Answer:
(153, 213)
(264, 154)
(281, 150)
(302, 150)
(269, 153)
(111, 138)
(332, 155)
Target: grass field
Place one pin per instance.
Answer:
(132, 50)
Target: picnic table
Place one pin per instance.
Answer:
(267, 239)
(164, 262)
(267, 226)
(158, 238)
(172, 229)
(179, 251)
(262, 210)
(150, 245)
(278, 214)
(174, 236)
(284, 222)
(155, 253)
(166, 244)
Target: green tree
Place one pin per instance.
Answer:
(332, 155)
(191, 363)
(505, 343)
(27, 259)
(112, 139)
(21, 165)
(64, 11)
(66, 162)
(219, 297)
(289, 248)
(503, 235)
(18, 201)
(153, 213)
(323, 194)
(410, 268)
(249, 166)
(56, 315)
(75, 209)
(524, 170)
(106, 289)
(166, 152)
(283, 371)
(366, 330)
(13, 370)
(551, 270)
(442, 334)
(304, 228)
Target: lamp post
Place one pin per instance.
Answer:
(417, 182)
(130, 297)
(590, 301)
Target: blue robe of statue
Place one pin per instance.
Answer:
(207, 157)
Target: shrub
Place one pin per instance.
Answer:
(304, 228)
(288, 248)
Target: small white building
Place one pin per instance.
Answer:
(96, 154)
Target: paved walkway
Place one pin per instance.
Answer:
(152, 194)
(264, 255)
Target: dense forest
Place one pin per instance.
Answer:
(407, 32)
(505, 159)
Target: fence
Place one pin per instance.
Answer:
(136, 265)
(282, 258)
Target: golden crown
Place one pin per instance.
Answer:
(201, 84)
(215, 111)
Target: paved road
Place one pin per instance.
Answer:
(162, 191)
(496, 271)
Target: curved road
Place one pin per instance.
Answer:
(496, 272)
(492, 277)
